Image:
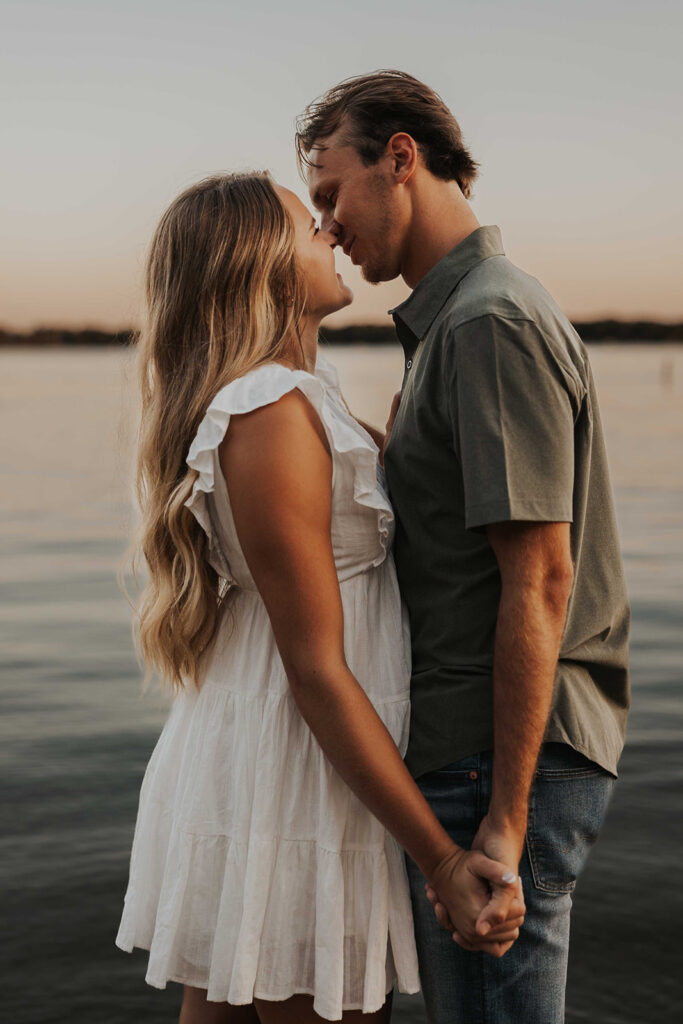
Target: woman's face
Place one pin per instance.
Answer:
(315, 256)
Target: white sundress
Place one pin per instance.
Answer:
(255, 870)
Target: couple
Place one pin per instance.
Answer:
(268, 872)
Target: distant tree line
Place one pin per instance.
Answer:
(58, 337)
(589, 330)
(641, 331)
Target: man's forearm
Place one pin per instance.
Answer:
(528, 635)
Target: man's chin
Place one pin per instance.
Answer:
(375, 274)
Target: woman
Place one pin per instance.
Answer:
(266, 873)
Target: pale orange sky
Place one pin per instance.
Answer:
(573, 112)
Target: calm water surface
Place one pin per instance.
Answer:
(75, 734)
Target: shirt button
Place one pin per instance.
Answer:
(409, 364)
(474, 775)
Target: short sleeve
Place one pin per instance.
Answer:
(512, 418)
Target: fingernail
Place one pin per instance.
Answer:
(509, 878)
(485, 928)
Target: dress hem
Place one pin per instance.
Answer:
(178, 980)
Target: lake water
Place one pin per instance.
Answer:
(75, 734)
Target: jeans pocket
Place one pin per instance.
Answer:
(567, 807)
(560, 761)
(452, 792)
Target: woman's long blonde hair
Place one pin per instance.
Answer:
(223, 295)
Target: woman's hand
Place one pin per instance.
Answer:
(469, 891)
(396, 401)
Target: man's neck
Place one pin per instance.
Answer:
(441, 219)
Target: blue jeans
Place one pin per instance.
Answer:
(568, 801)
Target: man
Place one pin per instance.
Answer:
(506, 546)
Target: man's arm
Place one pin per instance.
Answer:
(536, 571)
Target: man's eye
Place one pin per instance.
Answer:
(332, 198)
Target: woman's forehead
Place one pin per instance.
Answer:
(293, 204)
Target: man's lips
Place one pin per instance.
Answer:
(347, 247)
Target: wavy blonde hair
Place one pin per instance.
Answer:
(223, 294)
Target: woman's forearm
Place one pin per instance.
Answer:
(360, 747)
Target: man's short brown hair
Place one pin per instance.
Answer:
(371, 108)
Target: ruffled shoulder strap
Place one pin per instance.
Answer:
(261, 386)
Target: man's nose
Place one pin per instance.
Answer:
(329, 224)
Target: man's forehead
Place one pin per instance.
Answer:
(327, 164)
(321, 164)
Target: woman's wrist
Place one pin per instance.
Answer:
(441, 860)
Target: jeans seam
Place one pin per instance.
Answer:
(483, 1018)
(562, 774)
(531, 849)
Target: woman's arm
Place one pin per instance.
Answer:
(278, 468)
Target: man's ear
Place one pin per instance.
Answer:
(403, 151)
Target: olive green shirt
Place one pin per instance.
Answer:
(499, 421)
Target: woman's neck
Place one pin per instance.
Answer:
(306, 343)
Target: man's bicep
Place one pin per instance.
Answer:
(529, 552)
(513, 425)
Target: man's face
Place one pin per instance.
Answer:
(358, 205)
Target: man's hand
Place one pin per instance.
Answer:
(466, 883)
(396, 401)
(501, 843)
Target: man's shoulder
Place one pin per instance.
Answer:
(497, 296)
(497, 288)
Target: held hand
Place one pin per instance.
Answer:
(396, 401)
(499, 939)
(466, 883)
(502, 844)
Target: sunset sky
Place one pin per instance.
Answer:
(109, 109)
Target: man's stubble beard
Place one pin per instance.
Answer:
(383, 267)
(377, 272)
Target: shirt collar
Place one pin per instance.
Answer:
(420, 309)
